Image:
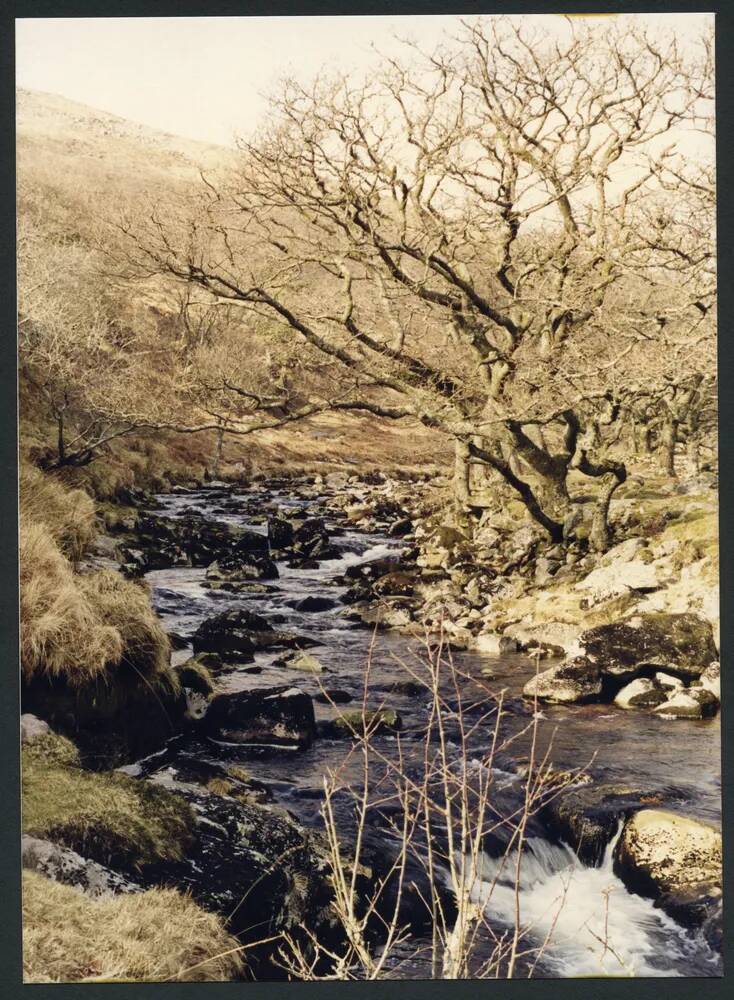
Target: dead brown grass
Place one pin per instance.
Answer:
(153, 936)
(78, 627)
(67, 514)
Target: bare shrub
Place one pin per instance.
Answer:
(438, 803)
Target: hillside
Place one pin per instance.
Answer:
(78, 167)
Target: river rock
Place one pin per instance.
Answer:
(302, 661)
(662, 852)
(282, 716)
(243, 568)
(577, 680)
(236, 634)
(333, 696)
(587, 818)
(310, 538)
(689, 703)
(280, 533)
(681, 644)
(710, 680)
(314, 604)
(357, 723)
(642, 692)
(498, 645)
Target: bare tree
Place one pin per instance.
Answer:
(483, 238)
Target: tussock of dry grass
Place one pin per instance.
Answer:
(125, 606)
(156, 935)
(61, 632)
(67, 514)
(78, 627)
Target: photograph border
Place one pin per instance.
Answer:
(10, 920)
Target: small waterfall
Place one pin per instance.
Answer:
(593, 925)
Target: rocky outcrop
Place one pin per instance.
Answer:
(682, 644)
(64, 865)
(276, 716)
(578, 680)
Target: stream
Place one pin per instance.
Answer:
(599, 928)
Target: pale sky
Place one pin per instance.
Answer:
(205, 77)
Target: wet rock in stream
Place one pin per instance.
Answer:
(236, 634)
(281, 716)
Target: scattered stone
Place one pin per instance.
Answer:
(32, 728)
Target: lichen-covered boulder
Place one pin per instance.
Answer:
(279, 716)
(662, 852)
(682, 644)
(577, 680)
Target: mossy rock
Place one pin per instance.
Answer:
(110, 818)
(356, 723)
(195, 676)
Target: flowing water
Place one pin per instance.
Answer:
(598, 927)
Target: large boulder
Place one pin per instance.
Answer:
(606, 582)
(681, 644)
(577, 680)
(279, 716)
(662, 852)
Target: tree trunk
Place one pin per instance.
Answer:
(600, 534)
(218, 453)
(694, 453)
(668, 441)
(462, 475)
(60, 443)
